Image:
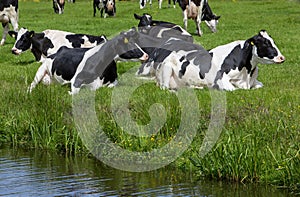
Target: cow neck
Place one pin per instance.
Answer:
(37, 46)
(109, 48)
(36, 49)
(247, 60)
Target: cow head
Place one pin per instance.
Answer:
(212, 23)
(210, 18)
(265, 50)
(23, 40)
(145, 20)
(110, 7)
(127, 47)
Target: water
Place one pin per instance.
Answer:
(35, 173)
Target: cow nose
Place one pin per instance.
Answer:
(282, 58)
(14, 51)
(144, 57)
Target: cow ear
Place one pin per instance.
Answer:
(13, 34)
(125, 40)
(217, 17)
(137, 16)
(31, 33)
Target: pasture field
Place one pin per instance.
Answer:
(260, 140)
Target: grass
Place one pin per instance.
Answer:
(260, 138)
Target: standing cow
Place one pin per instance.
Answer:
(8, 14)
(144, 2)
(92, 67)
(108, 6)
(49, 41)
(59, 6)
(199, 10)
(233, 65)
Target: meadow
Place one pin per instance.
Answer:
(260, 138)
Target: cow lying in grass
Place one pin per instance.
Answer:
(229, 67)
(49, 41)
(94, 67)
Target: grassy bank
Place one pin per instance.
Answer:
(260, 138)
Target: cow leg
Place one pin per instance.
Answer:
(5, 32)
(113, 84)
(225, 84)
(164, 74)
(46, 79)
(185, 18)
(74, 90)
(160, 2)
(101, 12)
(199, 16)
(254, 83)
(40, 74)
(95, 10)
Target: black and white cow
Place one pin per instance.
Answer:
(178, 63)
(198, 10)
(108, 6)
(233, 65)
(58, 6)
(8, 14)
(49, 41)
(161, 29)
(144, 2)
(93, 67)
(154, 34)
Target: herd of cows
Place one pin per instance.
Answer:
(167, 53)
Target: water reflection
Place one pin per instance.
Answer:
(35, 173)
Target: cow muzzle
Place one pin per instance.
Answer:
(16, 51)
(279, 59)
(144, 57)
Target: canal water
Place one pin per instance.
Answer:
(35, 173)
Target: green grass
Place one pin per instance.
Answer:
(261, 135)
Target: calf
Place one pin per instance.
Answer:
(144, 2)
(58, 6)
(49, 41)
(8, 14)
(108, 6)
(198, 10)
(93, 67)
(231, 66)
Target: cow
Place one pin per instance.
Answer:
(8, 14)
(49, 41)
(108, 6)
(178, 63)
(235, 64)
(161, 29)
(144, 2)
(58, 6)
(199, 10)
(92, 67)
(232, 66)
(153, 34)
